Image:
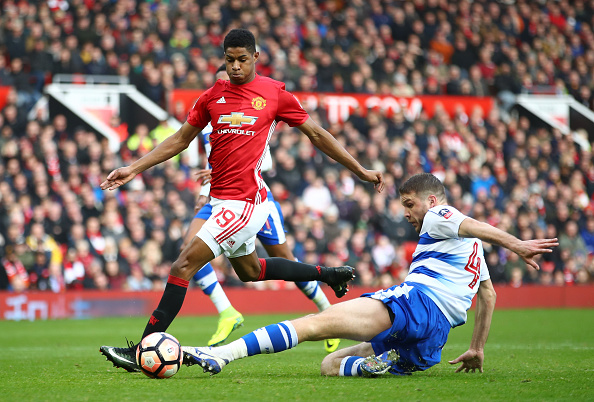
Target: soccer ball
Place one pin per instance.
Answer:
(159, 355)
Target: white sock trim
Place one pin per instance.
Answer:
(233, 351)
(292, 333)
(219, 298)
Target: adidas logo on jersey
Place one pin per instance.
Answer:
(231, 243)
(222, 100)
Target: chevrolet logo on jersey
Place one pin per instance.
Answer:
(236, 119)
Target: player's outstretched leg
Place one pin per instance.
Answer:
(359, 319)
(229, 318)
(279, 268)
(194, 255)
(169, 306)
(122, 357)
(270, 339)
(313, 292)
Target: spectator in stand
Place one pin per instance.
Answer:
(571, 240)
(5, 77)
(317, 197)
(18, 277)
(487, 37)
(140, 143)
(587, 234)
(462, 56)
(39, 241)
(483, 181)
(506, 86)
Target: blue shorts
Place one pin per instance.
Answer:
(273, 231)
(205, 212)
(419, 329)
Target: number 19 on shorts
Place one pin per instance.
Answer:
(224, 217)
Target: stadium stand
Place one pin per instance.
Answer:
(59, 231)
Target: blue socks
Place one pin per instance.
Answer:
(270, 339)
(313, 292)
(350, 366)
(206, 279)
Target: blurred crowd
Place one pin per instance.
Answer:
(59, 231)
(379, 46)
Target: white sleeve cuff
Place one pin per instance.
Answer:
(205, 190)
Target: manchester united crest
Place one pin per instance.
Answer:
(259, 103)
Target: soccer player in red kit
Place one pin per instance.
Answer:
(243, 112)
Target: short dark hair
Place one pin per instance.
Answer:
(221, 68)
(240, 38)
(423, 184)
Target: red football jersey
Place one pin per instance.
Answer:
(243, 118)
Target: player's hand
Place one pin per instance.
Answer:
(200, 202)
(203, 176)
(118, 178)
(527, 249)
(376, 177)
(471, 360)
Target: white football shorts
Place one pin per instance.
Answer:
(232, 227)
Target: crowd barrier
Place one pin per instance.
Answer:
(89, 304)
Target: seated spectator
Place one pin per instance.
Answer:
(571, 241)
(17, 276)
(140, 143)
(587, 234)
(383, 254)
(38, 240)
(116, 279)
(137, 281)
(317, 197)
(483, 182)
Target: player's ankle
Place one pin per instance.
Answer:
(229, 311)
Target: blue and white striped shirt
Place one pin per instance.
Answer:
(446, 267)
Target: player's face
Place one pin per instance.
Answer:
(241, 65)
(415, 208)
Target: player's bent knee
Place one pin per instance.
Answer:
(330, 366)
(181, 269)
(247, 268)
(248, 275)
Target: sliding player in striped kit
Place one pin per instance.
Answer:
(403, 328)
(272, 237)
(243, 112)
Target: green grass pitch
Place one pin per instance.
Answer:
(530, 355)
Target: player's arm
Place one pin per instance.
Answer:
(203, 198)
(473, 358)
(326, 143)
(204, 177)
(526, 249)
(172, 146)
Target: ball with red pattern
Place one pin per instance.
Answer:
(159, 355)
